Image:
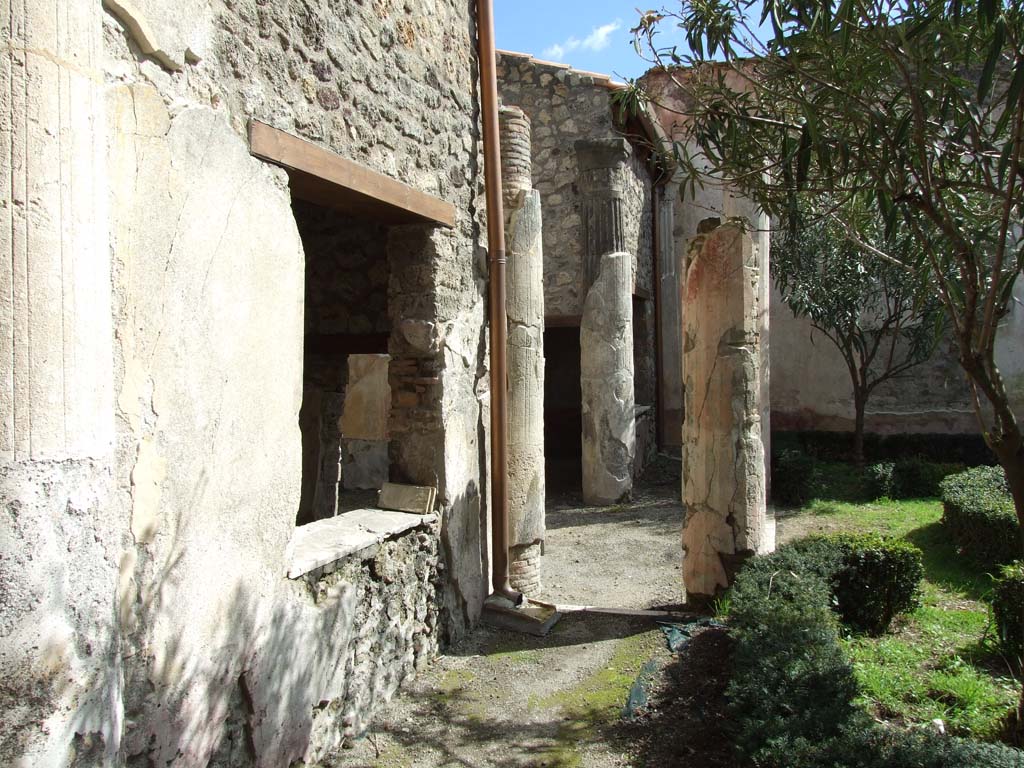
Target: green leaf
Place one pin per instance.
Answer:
(1004, 161)
(803, 160)
(994, 52)
(903, 129)
(1012, 96)
(987, 10)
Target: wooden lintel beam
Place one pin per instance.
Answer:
(326, 178)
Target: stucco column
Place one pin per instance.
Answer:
(606, 328)
(670, 308)
(59, 546)
(723, 453)
(525, 308)
(602, 165)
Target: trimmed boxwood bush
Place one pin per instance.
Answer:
(917, 478)
(790, 678)
(908, 478)
(837, 446)
(1008, 611)
(792, 689)
(873, 578)
(977, 510)
(879, 747)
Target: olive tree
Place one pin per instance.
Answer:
(883, 320)
(910, 107)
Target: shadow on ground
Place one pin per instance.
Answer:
(686, 722)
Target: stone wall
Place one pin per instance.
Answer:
(144, 569)
(346, 271)
(351, 632)
(566, 106)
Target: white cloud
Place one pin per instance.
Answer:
(597, 40)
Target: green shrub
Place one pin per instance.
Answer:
(868, 578)
(792, 689)
(792, 478)
(908, 478)
(977, 510)
(790, 678)
(879, 578)
(880, 479)
(917, 478)
(967, 449)
(1008, 611)
(873, 746)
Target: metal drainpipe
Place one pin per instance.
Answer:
(498, 319)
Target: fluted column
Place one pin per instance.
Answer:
(60, 540)
(606, 330)
(525, 309)
(602, 164)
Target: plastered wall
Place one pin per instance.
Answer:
(153, 335)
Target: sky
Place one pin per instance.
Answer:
(586, 34)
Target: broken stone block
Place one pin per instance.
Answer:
(367, 398)
(723, 453)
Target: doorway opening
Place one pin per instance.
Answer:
(563, 411)
(346, 398)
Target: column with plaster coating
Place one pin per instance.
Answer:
(723, 452)
(58, 629)
(525, 308)
(606, 328)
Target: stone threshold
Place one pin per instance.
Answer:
(319, 545)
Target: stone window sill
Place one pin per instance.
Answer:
(320, 544)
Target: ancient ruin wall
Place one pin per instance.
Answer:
(564, 107)
(811, 386)
(187, 541)
(348, 634)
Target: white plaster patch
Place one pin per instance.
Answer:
(147, 482)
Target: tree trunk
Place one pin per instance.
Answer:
(859, 405)
(1007, 443)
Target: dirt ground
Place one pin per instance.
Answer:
(504, 700)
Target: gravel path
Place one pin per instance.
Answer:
(504, 700)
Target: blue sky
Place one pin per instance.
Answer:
(588, 34)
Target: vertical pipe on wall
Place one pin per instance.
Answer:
(498, 319)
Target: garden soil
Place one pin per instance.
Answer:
(504, 700)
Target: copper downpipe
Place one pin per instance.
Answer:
(498, 318)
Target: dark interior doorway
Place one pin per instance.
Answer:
(346, 315)
(563, 414)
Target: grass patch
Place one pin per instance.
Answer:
(939, 661)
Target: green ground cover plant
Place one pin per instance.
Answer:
(797, 698)
(942, 660)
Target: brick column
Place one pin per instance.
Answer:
(525, 308)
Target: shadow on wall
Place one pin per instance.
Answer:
(294, 667)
